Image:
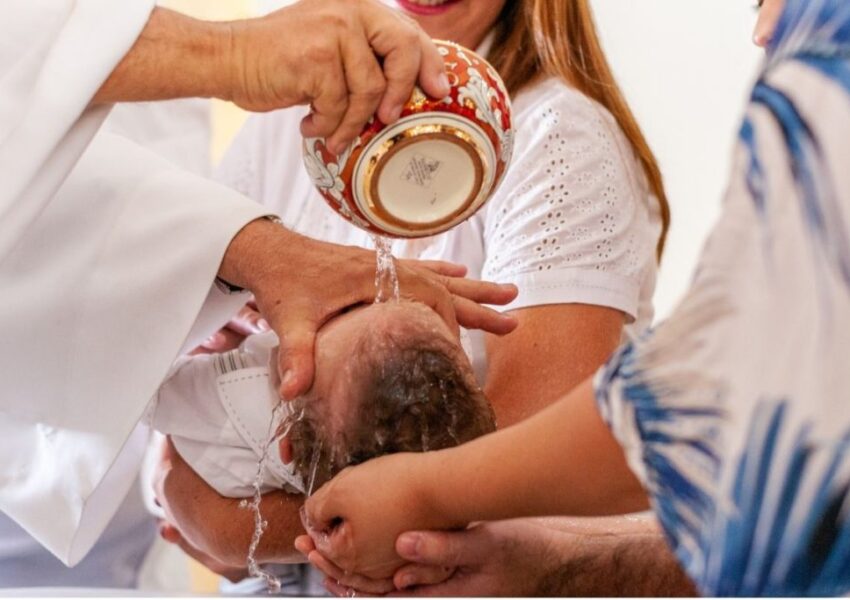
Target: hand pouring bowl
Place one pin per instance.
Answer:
(434, 167)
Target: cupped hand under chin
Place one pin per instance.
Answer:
(355, 519)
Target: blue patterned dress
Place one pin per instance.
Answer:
(735, 412)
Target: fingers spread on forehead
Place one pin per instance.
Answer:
(472, 315)
(483, 292)
(439, 267)
(438, 298)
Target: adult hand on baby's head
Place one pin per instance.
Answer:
(355, 518)
(300, 283)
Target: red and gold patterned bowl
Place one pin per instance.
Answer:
(434, 167)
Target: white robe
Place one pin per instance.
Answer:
(107, 254)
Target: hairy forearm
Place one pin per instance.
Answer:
(225, 532)
(562, 461)
(221, 527)
(611, 558)
(247, 262)
(175, 56)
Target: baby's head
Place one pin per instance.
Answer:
(389, 378)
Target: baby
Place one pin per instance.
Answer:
(389, 378)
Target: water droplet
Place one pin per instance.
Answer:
(314, 465)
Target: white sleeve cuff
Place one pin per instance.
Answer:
(576, 286)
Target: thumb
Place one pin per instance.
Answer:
(320, 515)
(331, 535)
(296, 361)
(444, 548)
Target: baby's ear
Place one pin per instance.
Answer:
(284, 446)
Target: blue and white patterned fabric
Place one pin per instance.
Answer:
(735, 412)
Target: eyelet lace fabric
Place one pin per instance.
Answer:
(574, 210)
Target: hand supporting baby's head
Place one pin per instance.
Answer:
(390, 378)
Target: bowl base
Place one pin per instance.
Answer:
(424, 174)
(426, 180)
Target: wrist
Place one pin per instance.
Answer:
(438, 482)
(175, 56)
(227, 58)
(219, 60)
(248, 256)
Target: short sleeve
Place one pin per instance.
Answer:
(572, 221)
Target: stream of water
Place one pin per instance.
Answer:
(386, 277)
(386, 290)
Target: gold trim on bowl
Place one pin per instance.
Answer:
(418, 133)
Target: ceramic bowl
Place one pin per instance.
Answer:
(434, 167)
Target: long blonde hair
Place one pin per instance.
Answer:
(558, 38)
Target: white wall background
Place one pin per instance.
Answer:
(685, 66)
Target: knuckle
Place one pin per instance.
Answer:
(410, 35)
(375, 88)
(337, 17)
(321, 53)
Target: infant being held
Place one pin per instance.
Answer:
(390, 377)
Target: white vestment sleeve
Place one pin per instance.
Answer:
(100, 294)
(54, 56)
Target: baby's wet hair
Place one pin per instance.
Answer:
(416, 392)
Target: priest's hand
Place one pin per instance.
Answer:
(300, 283)
(347, 59)
(326, 53)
